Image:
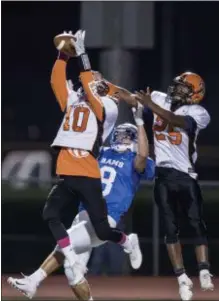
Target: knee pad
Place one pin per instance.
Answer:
(69, 273)
(72, 278)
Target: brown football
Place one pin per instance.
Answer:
(63, 43)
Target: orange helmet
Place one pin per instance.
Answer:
(187, 88)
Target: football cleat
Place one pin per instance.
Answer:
(24, 285)
(185, 288)
(134, 251)
(205, 280)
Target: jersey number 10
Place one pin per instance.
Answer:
(160, 126)
(80, 119)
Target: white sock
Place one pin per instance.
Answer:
(70, 254)
(90, 299)
(38, 276)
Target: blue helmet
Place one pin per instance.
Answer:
(124, 137)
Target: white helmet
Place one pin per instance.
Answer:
(124, 138)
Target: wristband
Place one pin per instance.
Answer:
(63, 56)
(139, 122)
(84, 62)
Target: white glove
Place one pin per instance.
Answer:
(79, 43)
(138, 114)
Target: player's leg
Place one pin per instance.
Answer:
(28, 284)
(89, 240)
(59, 196)
(191, 202)
(80, 289)
(167, 204)
(80, 236)
(83, 239)
(95, 205)
(166, 200)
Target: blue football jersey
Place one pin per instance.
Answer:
(120, 180)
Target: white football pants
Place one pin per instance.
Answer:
(83, 238)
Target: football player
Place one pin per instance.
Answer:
(121, 169)
(178, 119)
(78, 140)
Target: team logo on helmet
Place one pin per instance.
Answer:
(187, 88)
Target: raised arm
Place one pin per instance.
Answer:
(184, 122)
(106, 88)
(86, 75)
(124, 95)
(93, 98)
(112, 88)
(58, 80)
(170, 117)
(143, 147)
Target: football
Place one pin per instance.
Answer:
(63, 43)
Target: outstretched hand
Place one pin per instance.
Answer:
(124, 95)
(144, 97)
(138, 114)
(78, 42)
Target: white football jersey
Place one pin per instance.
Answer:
(111, 115)
(80, 128)
(174, 148)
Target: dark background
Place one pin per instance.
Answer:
(31, 117)
(28, 54)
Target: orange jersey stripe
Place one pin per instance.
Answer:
(58, 83)
(94, 100)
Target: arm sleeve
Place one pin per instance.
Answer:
(58, 83)
(93, 98)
